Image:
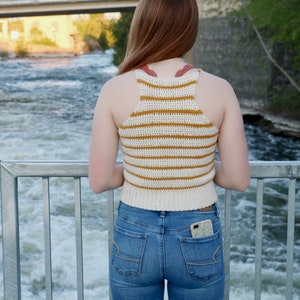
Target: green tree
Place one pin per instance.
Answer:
(276, 24)
(279, 20)
(16, 24)
(102, 40)
(120, 30)
(37, 37)
(95, 27)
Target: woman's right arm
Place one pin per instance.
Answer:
(104, 174)
(232, 171)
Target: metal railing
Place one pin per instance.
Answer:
(11, 171)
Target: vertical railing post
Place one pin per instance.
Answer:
(227, 240)
(10, 233)
(47, 238)
(110, 226)
(258, 241)
(290, 239)
(79, 248)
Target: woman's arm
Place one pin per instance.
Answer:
(104, 174)
(232, 171)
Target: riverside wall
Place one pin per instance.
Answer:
(224, 49)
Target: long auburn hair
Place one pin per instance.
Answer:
(160, 29)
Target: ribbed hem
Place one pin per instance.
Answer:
(169, 200)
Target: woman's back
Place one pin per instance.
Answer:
(214, 97)
(168, 145)
(211, 91)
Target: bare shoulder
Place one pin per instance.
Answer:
(215, 82)
(216, 89)
(119, 83)
(120, 96)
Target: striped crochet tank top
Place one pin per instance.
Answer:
(168, 147)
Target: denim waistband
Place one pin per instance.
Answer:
(170, 220)
(124, 207)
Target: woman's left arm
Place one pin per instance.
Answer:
(104, 174)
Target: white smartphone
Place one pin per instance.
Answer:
(202, 228)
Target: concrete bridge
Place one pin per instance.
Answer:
(21, 8)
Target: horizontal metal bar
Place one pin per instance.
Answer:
(54, 2)
(275, 169)
(35, 8)
(259, 169)
(46, 168)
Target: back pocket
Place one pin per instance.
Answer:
(127, 251)
(203, 256)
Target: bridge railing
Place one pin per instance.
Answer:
(12, 171)
(21, 8)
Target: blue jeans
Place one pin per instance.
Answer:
(153, 247)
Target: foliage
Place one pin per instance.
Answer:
(38, 38)
(44, 41)
(36, 33)
(280, 21)
(16, 25)
(275, 22)
(96, 27)
(120, 30)
(4, 54)
(102, 40)
(285, 102)
(21, 50)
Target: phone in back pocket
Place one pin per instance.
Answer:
(202, 228)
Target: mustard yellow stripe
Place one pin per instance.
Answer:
(169, 156)
(166, 136)
(147, 83)
(152, 98)
(169, 178)
(167, 111)
(169, 147)
(166, 188)
(193, 125)
(168, 167)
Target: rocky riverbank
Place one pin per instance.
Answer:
(272, 123)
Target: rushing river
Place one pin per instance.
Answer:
(46, 110)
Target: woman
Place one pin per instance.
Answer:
(169, 118)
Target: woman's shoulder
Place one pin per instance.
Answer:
(119, 90)
(216, 86)
(120, 81)
(215, 80)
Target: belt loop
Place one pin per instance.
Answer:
(162, 214)
(217, 210)
(119, 205)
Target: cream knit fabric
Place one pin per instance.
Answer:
(168, 147)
